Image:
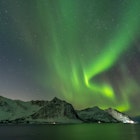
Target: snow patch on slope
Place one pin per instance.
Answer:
(119, 116)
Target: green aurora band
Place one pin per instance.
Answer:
(85, 44)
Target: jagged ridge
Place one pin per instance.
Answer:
(55, 111)
(95, 114)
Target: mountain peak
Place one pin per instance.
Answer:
(56, 110)
(55, 99)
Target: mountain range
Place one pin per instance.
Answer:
(55, 111)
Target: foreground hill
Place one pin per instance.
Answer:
(55, 111)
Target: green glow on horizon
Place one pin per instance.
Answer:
(79, 52)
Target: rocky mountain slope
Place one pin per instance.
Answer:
(55, 111)
(119, 116)
(13, 109)
(95, 114)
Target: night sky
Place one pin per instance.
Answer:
(86, 52)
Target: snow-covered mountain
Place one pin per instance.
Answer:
(119, 116)
(13, 109)
(55, 111)
(95, 114)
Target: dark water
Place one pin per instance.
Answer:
(71, 132)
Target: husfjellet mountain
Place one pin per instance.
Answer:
(55, 111)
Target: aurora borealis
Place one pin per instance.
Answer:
(85, 52)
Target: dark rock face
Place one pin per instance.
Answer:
(137, 119)
(39, 102)
(95, 114)
(54, 109)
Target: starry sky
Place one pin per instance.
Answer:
(85, 52)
